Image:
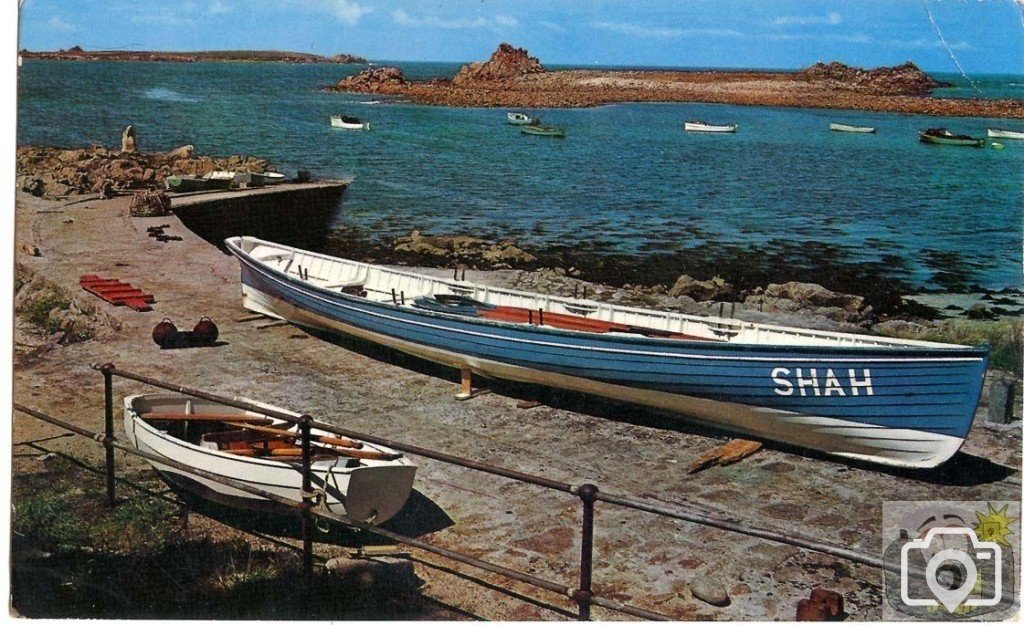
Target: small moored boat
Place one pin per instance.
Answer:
(847, 128)
(543, 131)
(697, 126)
(892, 401)
(349, 123)
(518, 119)
(997, 133)
(942, 136)
(187, 183)
(365, 482)
(257, 178)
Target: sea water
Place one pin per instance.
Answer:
(627, 178)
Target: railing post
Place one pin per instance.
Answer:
(587, 494)
(108, 427)
(307, 501)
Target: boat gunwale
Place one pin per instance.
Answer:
(921, 349)
(325, 467)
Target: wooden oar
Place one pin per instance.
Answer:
(326, 440)
(365, 454)
(234, 419)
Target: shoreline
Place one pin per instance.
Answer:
(746, 269)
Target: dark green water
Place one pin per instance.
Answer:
(627, 178)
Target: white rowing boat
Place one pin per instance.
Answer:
(849, 128)
(997, 133)
(367, 483)
(696, 126)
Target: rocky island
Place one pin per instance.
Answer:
(513, 78)
(76, 53)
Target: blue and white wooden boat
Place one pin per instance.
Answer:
(890, 401)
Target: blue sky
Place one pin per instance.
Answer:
(984, 36)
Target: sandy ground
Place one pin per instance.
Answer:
(640, 558)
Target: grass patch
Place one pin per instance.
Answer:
(1005, 339)
(49, 522)
(138, 560)
(38, 312)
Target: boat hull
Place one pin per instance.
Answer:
(808, 398)
(372, 493)
(339, 123)
(853, 129)
(695, 127)
(995, 133)
(543, 131)
(189, 184)
(956, 141)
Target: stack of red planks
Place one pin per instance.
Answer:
(117, 293)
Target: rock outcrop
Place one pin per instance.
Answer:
(55, 172)
(506, 63)
(902, 79)
(804, 297)
(700, 290)
(372, 79)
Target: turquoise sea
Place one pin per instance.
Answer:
(627, 179)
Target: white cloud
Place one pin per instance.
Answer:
(926, 43)
(663, 32)
(859, 38)
(558, 28)
(497, 22)
(832, 18)
(347, 12)
(219, 8)
(58, 24)
(161, 17)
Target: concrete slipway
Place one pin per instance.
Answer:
(640, 558)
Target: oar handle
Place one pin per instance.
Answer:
(326, 440)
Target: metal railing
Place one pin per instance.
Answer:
(588, 494)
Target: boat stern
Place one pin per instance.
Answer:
(377, 492)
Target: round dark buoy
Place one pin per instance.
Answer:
(205, 331)
(165, 333)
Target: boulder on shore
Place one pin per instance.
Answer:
(506, 63)
(700, 290)
(807, 297)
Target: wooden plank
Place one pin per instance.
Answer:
(209, 416)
